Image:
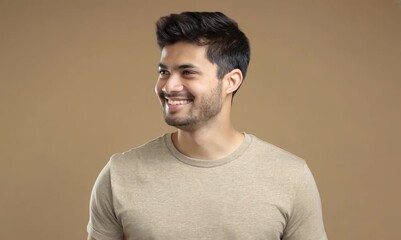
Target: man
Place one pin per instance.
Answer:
(206, 180)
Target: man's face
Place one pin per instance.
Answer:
(188, 88)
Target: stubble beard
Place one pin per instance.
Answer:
(207, 108)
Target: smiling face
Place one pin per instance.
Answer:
(188, 88)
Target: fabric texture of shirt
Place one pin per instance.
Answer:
(155, 192)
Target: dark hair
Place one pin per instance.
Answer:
(227, 45)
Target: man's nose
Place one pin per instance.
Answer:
(173, 84)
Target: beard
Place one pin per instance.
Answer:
(200, 112)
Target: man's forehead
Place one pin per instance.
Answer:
(182, 53)
(183, 50)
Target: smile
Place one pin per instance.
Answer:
(178, 102)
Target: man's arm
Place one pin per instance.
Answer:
(306, 220)
(103, 222)
(90, 238)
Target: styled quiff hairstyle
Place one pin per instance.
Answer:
(227, 45)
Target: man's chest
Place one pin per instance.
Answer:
(173, 208)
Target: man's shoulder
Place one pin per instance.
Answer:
(262, 149)
(286, 168)
(154, 147)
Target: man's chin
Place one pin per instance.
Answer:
(175, 123)
(178, 122)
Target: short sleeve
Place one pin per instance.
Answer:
(305, 220)
(103, 223)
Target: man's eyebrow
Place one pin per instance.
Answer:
(161, 65)
(183, 66)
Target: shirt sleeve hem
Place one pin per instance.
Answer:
(324, 237)
(100, 236)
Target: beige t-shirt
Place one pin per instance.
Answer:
(154, 192)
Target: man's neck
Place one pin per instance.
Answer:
(210, 144)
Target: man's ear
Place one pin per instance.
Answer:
(233, 81)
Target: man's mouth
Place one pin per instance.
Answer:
(177, 99)
(175, 102)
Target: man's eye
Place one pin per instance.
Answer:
(186, 72)
(163, 73)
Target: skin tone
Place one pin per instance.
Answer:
(195, 101)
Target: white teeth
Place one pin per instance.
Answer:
(178, 102)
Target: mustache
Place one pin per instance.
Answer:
(178, 95)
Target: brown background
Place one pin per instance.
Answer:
(76, 85)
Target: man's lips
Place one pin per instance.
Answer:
(177, 99)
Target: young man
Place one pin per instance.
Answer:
(206, 180)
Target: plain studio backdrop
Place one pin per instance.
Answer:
(76, 85)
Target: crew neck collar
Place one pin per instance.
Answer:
(207, 163)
